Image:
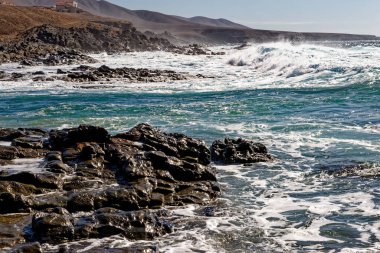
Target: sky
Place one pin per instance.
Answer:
(345, 16)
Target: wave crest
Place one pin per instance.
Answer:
(314, 61)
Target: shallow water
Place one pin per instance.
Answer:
(313, 106)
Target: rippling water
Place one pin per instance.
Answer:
(314, 106)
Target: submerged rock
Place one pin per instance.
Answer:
(239, 151)
(12, 231)
(355, 170)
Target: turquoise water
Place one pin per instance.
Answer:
(310, 117)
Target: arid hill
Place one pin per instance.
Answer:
(15, 20)
(196, 29)
(32, 33)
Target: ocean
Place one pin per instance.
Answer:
(315, 106)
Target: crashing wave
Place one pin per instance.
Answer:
(289, 60)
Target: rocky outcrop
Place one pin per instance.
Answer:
(132, 75)
(365, 170)
(52, 45)
(86, 74)
(240, 151)
(61, 57)
(119, 182)
(88, 183)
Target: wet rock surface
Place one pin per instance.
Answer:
(61, 57)
(354, 170)
(239, 151)
(88, 74)
(90, 184)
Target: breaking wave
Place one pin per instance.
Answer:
(308, 61)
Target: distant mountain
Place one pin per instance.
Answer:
(221, 22)
(195, 29)
(143, 17)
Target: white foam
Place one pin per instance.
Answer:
(269, 65)
(33, 165)
(5, 143)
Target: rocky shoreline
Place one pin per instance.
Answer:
(85, 183)
(88, 74)
(50, 45)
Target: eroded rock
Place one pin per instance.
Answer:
(239, 151)
(113, 179)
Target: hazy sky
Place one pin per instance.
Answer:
(348, 16)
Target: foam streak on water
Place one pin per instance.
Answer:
(313, 106)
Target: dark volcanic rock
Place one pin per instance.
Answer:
(13, 203)
(54, 45)
(241, 151)
(34, 142)
(7, 134)
(354, 170)
(28, 248)
(114, 179)
(57, 225)
(137, 225)
(84, 133)
(45, 180)
(11, 232)
(8, 153)
(60, 57)
(30, 142)
(90, 74)
(54, 227)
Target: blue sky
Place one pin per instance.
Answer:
(348, 16)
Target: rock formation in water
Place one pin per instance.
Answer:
(90, 184)
(240, 151)
(87, 74)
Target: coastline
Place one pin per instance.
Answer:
(308, 181)
(85, 184)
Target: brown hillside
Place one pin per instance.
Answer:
(15, 20)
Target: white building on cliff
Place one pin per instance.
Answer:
(6, 2)
(66, 5)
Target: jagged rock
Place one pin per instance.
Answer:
(54, 226)
(28, 248)
(85, 169)
(12, 230)
(177, 145)
(33, 142)
(241, 151)
(37, 73)
(45, 180)
(90, 74)
(67, 57)
(354, 170)
(137, 225)
(79, 183)
(7, 134)
(13, 203)
(20, 188)
(84, 133)
(58, 167)
(54, 156)
(13, 196)
(8, 153)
